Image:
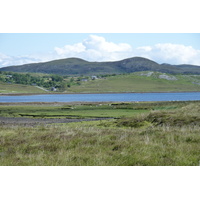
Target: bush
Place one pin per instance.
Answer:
(159, 119)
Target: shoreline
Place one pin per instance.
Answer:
(31, 94)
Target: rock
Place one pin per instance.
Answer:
(148, 74)
(169, 78)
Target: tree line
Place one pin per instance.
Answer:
(46, 81)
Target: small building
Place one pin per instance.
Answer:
(94, 77)
(53, 89)
(84, 80)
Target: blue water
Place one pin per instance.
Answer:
(125, 97)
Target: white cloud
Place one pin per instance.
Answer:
(171, 53)
(100, 44)
(70, 49)
(6, 60)
(96, 48)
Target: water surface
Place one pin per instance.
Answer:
(118, 97)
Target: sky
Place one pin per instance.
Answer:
(172, 48)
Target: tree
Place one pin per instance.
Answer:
(57, 78)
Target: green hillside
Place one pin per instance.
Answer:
(77, 67)
(146, 81)
(140, 82)
(18, 88)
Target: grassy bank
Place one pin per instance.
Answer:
(152, 134)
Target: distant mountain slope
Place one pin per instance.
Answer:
(76, 66)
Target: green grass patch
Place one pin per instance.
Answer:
(77, 111)
(19, 88)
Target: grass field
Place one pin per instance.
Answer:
(89, 110)
(136, 83)
(142, 134)
(18, 88)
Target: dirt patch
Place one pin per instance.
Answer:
(34, 122)
(53, 103)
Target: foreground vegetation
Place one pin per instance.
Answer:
(153, 134)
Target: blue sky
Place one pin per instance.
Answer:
(173, 48)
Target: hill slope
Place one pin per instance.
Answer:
(76, 66)
(146, 81)
(140, 82)
(6, 88)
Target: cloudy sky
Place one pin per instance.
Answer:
(17, 48)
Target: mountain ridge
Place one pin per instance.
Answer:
(77, 66)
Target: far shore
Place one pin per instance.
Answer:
(27, 94)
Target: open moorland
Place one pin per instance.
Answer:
(109, 133)
(100, 134)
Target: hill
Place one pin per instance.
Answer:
(7, 88)
(76, 66)
(147, 81)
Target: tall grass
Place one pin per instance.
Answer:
(158, 138)
(89, 144)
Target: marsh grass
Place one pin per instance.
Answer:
(169, 137)
(86, 144)
(63, 111)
